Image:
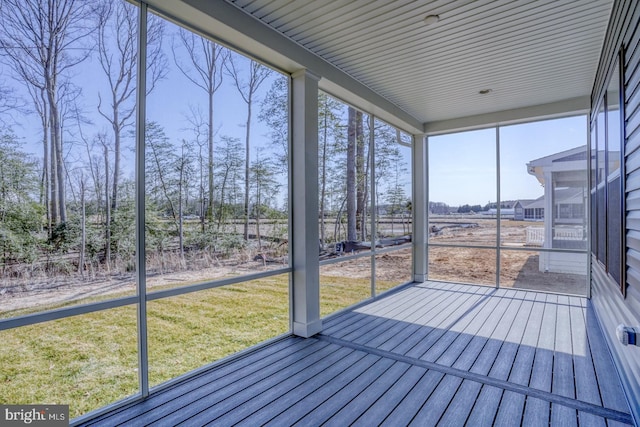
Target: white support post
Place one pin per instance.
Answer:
(304, 204)
(549, 220)
(420, 208)
(141, 268)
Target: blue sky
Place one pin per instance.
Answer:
(462, 166)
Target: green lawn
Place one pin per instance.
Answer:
(89, 361)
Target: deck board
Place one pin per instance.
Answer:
(364, 400)
(214, 399)
(292, 414)
(294, 395)
(563, 416)
(471, 320)
(404, 413)
(433, 353)
(485, 407)
(353, 320)
(336, 402)
(225, 374)
(430, 413)
(541, 374)
(536, 412)
(399, 320)
(511, 409)
(381, 409)
(424, 335)
(563, 381)
(415, 318)
(251, 400)
(461, 405)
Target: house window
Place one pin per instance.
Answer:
(606, 183)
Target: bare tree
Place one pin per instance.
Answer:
(265, 186)
(42, 40)
(256, 75)
(117, 54)
(9, 103)
(274, 112)
(352, 232)
(83, 227)
(361, 177)
(230, 149)
(199, 127)
(206, 60)
(329, 133)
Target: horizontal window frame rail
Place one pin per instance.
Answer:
(363, 254)
(180, 290)
(510, 248)
(62, 313)
(392, 248)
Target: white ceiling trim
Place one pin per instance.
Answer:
(566, 108)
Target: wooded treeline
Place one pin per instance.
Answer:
(67, 147)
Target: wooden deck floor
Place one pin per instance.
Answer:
(431, 353)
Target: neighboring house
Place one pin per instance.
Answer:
(520, 207)
(561, 208)
(529, 210)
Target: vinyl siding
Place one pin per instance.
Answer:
(612, 307)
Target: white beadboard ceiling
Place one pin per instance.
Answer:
(528, 52)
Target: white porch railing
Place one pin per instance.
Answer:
(535, 235)
(568, 233)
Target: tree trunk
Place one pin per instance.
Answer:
(210, 165)
(246, 169)
(180, 216)
(258, 201)
(83, 230)
(360, 178)
(56, 143)
(201, 191)
(223, 189)
(352, 233)
(53, 189)
(116, 161)
(107, 207)
(46, 173)
(323, 183)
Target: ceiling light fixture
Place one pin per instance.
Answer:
(431, 19)
(485, 91)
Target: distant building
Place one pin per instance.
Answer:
(505, 213)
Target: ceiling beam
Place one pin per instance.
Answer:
(565, 108)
